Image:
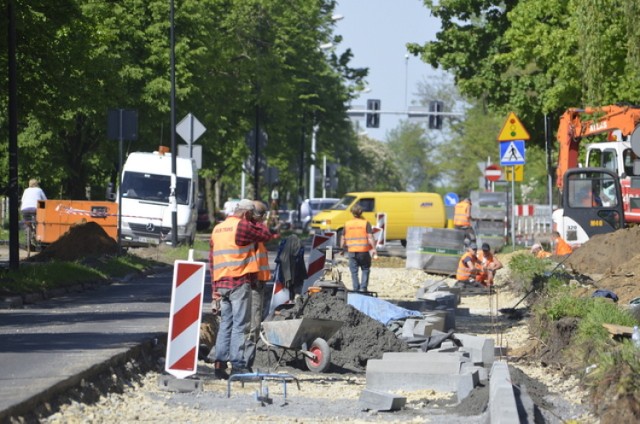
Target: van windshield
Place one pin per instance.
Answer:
(344, 203)
(155, 188)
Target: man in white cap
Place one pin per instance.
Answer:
(234, 267)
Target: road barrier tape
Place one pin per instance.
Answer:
(317, 258)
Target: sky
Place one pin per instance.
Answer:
(377, 31)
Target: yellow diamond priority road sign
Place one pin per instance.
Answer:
(513, 129)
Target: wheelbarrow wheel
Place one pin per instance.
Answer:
(320, 348)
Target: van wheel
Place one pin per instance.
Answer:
(403, 243)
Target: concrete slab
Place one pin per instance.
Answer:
(169, 383)
(481, 349)
(377, 400)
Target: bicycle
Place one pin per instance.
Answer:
(31, 241)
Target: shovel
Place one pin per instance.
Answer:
(513, 312)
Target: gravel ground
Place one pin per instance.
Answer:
(324, 398)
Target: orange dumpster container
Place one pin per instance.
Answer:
(55, 217)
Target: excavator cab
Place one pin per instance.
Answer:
(591, 204)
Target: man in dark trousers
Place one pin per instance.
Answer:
(357, 239)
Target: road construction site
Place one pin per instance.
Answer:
(98, 355)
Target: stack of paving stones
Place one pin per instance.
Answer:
(443, 360)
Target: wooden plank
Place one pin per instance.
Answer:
(618, 330)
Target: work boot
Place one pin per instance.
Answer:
(220, 370)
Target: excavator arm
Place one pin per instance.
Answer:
(603, 119)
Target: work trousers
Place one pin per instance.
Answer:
(357, 261)
(253, 329)
(234, 320)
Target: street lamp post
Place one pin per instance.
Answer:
(312, 167)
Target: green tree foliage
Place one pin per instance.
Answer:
(238, 65)
(415, 155)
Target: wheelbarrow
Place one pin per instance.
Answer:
(305, 335)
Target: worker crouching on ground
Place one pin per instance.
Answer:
(488, 264)
(234, 267)
(562, 248)
(357, 240)
(539, 252)
(468, 265)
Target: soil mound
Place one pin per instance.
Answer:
(81, 241)
(359, 339)
(615, 259)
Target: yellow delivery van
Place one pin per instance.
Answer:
(403, 210)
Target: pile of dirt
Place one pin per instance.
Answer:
(81, 241)
(614, 261)
(359, 339)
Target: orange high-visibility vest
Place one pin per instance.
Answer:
(462, 214)
(562, 247)
(264, 272)
(464, 273)
(355, 235)
(483, 262)
(229, 259)
(542, 254)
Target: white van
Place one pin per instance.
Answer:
(146, 209)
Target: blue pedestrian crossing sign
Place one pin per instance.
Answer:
(512, 153)
(451, 199)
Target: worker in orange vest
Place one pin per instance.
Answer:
(539, 252)
(258, 286)
(358, 240)
(234, 267)
(488, 264)
(468, 265)
(562, 248)
(462, 219)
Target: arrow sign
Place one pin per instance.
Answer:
(492, 172)
(451, 199)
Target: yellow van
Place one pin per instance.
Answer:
(403, 210)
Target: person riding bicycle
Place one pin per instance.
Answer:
(30, 199)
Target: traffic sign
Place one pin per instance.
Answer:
(512, 153)
(190, 129)
(184, 319)
(492, 172)
(514, 173)
(513, 129)
(451, 199)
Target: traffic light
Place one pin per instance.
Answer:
(435, 120)
(373, 118)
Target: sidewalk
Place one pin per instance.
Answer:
(48, 347)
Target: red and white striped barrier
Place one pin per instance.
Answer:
(279, 296)
(524, 210)
(184, 319)
(317, 258)
(380, 230)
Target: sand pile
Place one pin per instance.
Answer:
(81, 241)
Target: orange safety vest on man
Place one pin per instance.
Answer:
(562, 247)
(464, 273)
(462, 214)
(229, 259)
(264, 272)
(483, 262)
(355, 235)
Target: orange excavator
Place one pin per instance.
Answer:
(619, 153)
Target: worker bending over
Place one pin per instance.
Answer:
(488, 264)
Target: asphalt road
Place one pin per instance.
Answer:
(50, 346)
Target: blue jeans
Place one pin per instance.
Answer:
(357, 261)
(234, 319)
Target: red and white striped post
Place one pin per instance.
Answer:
(380, 230)
(184, 319)
(317, 258)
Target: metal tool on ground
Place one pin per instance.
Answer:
(537, 284)
(262, 395)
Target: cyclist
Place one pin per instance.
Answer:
(30, 199)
